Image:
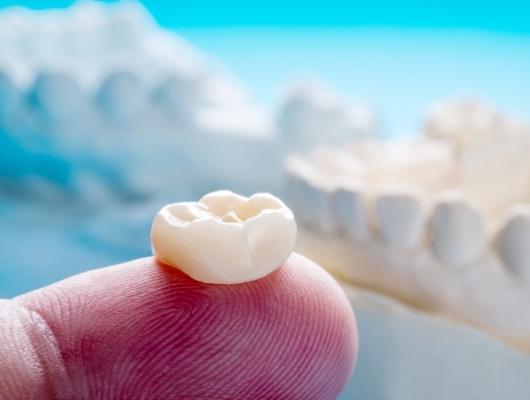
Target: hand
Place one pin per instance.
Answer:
(141, 330)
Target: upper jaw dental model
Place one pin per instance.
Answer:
(252, 236)
(438, 222)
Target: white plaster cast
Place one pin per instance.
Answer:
(513, 241)
(57, 95)
(436, 251)
(458, 232)
(10, 95)
(400, 214)
(121, 96)
(312, 113)
(350, 212)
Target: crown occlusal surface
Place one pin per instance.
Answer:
(225, 237)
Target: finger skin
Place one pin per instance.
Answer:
(30, 362)
(142, 330)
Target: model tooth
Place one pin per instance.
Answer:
(312, 112)
(458, 119)
(225, 238)
(400, 214)
(513, 241)
(312, 195)
(121, 95)
(179, 95)
(349, 210)
(56, 95)
(458, 231)
(318, 212)
(9, 95)
(297, 193)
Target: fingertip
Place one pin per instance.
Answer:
(142, 327)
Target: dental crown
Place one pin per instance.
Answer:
(225, 237)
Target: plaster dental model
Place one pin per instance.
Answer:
(436, 222)
(225, 237)
(90, 112)
(312, 113)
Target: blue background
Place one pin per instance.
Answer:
(397, 55)
(507, 16)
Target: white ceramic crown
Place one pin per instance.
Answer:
(225, 237)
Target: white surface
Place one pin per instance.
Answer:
(406, 354)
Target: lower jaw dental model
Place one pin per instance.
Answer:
(438, 222)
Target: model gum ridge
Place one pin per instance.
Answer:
(439, 222)
(225, 237)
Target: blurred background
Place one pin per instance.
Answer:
(108, 110)
(73, 81)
